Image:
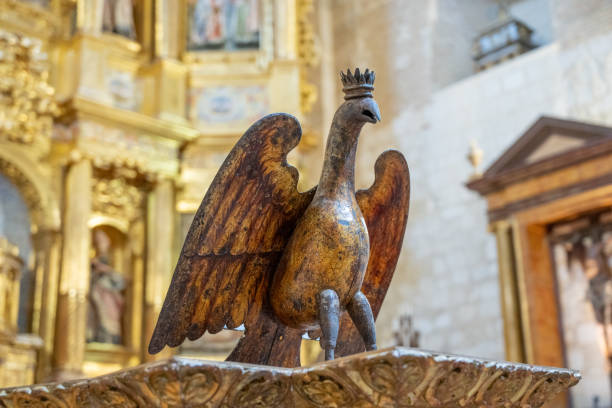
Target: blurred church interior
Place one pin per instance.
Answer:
(116, 114)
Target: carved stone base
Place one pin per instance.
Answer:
(395, 377)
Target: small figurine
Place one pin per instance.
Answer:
(406, 335)
(106, 296)
(280, 262)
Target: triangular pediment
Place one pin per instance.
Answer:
(552, 145)
(548, 139)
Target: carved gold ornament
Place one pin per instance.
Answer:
(27, 104)
(117, 198)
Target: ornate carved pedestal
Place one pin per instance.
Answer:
(394, 377)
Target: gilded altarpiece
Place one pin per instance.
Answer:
(114, 115)
(27, 108)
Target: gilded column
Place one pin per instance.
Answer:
(167, 95)
(169, 26)
(137, 247)
(14, 283)
(171, 88)
(327, 69)
(3, 290)
(89, 16)
(160, 236)
(47, 246)
(74, 279)
(510, 301)
(285, 30)
(285, 77)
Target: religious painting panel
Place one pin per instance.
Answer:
(222, 106)
(125, 90)
(582, 255)
(109, 83)
(226, 25)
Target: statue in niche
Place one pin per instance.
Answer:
(207, 28)
(593, 256)
(118, 18)
(223, 24)
(106, 295)
(599, 292)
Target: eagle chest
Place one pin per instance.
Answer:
(328, 249)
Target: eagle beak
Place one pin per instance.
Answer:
(377, 113)
(370, 111)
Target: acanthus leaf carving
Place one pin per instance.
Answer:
(117, 198)
(199, 386)
(325, 389)
(259, 391)
(27, 102)
(394, 377)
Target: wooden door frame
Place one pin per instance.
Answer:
(538, 294)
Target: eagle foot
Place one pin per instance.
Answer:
(329, 314)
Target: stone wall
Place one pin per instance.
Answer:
(432, 107)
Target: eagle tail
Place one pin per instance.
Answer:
(269, 343)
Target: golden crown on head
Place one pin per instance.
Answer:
(357, 85)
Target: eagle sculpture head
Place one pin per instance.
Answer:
(359, 105)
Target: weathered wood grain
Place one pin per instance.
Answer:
(237, 236)
(260, 253)
(385, 209)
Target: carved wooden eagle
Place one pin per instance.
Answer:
(261, 254)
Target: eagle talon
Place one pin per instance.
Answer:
(329, 313)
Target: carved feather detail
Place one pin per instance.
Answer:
(237, 236)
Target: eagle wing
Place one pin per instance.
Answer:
(385, 209)
(236, 238)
